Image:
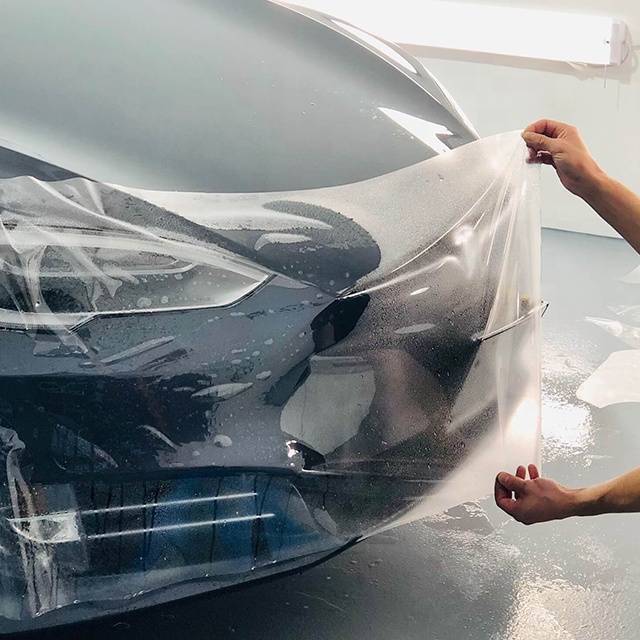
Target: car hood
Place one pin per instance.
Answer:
(241, 97)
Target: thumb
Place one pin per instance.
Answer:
(539, 142)
(512, 483)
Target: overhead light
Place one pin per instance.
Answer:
(463, 26)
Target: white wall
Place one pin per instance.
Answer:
(500, 94)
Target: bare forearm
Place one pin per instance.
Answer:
(620, 495)
(617, 205)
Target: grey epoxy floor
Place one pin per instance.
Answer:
(475, 575)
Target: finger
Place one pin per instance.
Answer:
(533, 157)
(501, 493)
(508, 506)
(546, 158)
(551, 128)
(521, 472)
(539, 142)
(512, 483)
(534, 474)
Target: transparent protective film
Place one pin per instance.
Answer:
(198, 389)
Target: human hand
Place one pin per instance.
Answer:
(536, 499)
(561, 146)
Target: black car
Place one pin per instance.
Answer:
(277, 299)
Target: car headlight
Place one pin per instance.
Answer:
(63, 262)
